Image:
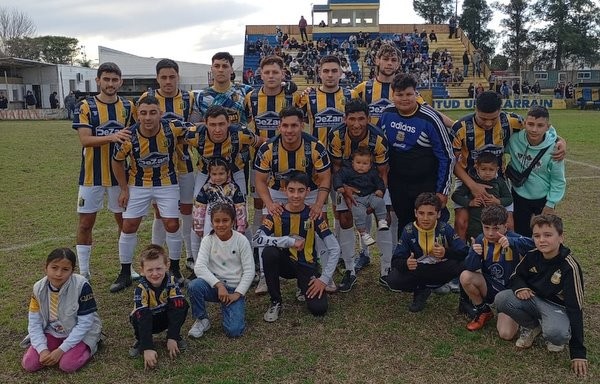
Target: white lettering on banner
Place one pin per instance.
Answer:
(446, 104)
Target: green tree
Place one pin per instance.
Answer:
(49, 49)
(515, 28)
(570, 30)
(499, 63)
(434, 11)
(474, 20)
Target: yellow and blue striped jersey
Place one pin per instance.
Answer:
(298, 224)
(263, 111)
(311, 157)
(378, 95)
(325, 110)
(103, 120)
(470, 140)
(341, 145)
(230, 149)
(176, 108)
(152, 158)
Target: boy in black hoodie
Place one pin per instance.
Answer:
(546, 294)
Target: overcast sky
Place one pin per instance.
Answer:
(186, 30)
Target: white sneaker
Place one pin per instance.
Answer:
(261, 287)
(331, 287)
(554, 348)
(134, 275)
(442, 290)
(299, 295)
(367, 239)
(200, 326)
(527, 337)
(272, 313)
(382, 225)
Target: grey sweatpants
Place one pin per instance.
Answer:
(359, 211)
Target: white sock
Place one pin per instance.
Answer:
(84, 253)
(127, 243)
(394, 227)
(347, 239)
(158, 232)
(195, 241)
(186, 232)
(174, 244)
(256, 220)
(365, 248)
(336, 228)
(384, 242)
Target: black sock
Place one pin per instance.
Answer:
(483, 307)
(174, 265)
(125, 270)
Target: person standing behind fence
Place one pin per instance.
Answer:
(302, 26)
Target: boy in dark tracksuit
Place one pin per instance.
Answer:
(546, 294)
(429, 253)
(158, 305)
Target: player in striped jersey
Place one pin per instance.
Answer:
(343, 141)
(262, 108)
(289, 239)
(175, 104)
(219, 138)
(486, 130)
(324, 105)
(99, 121)
(152, 176)
(421, 156)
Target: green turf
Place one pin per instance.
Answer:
(367, 337)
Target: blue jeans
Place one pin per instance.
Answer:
(234, 314)
(556, 327)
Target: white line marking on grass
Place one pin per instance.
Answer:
(584, 164)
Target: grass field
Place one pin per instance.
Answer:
(367, 337)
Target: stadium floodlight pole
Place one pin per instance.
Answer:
(456, 8)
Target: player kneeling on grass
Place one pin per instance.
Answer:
(225, 269)
(158, 305)
(429, 253)
(492, 259)
(546, 294)
(289, 250)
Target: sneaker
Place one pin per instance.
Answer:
(272, 313)
(299, 295)
(554, 348)
(190, 263)
(200, 326)
(134, 275)
(419, 299)
(383, 281)
(331, 287)
(120, 284)
(480, 319)
(442, 290)
(465, 307)
(362, 261)
(134, 351)
(454, 286)
(348, 281)
(367, 239)
(179, 279)
(527, 336)
(86, 275)
(261, 287)
(382, 225)
(182, 345)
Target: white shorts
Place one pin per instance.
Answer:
(281, 197)
(91, 199)
(186, 183)
(341, 203)
(238, 177)
(459, 182)
(140, 198)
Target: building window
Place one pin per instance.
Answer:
(541, 76)
(584, 75)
